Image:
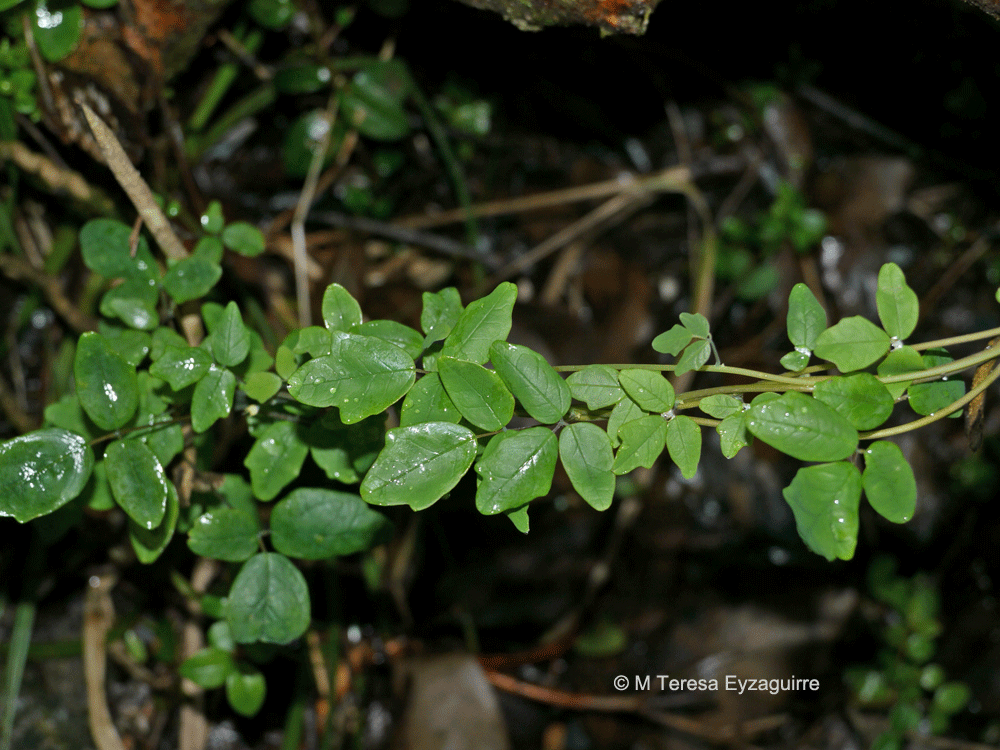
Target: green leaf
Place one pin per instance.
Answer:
(515, 468)
(191, 278)
(209, 249)
(131, 345)
(539, 388)
(672, 341)
(427, 401)
(802, 427)
(105, 383)
(695, 356)
(149, 544)
(684, 444)
(861, 399)
(373, 101)
(164, 338)
(134, 303)
(362, 376)
(314, 524)
(312, 340)
(479, 394)
(275, 459)
(852, 344)
(596, 385)
(225, 534)
(899, 361)
(42, 471)
(419, 464)
(585, 451)
(56, 27)
(625, 411)
(696, 323)
(105, 245)
(137, 481)
(341, 312)
(346, 452)
(272, 14)
(213, 398)
(898, 306)
(262, 386)
(795, 361)
(406, 338)
(230, 339)
(928, 398)
(649, 389)
(245, 689)
(889, 483)
(208, 667)
(484, 321)
(440, 314)
(182, 367)
(806, 318)
(243, 238)
(269, 601)
(721, 405)
(642, 443)
(825, 501)
(733, 434)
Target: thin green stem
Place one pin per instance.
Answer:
(939, 414)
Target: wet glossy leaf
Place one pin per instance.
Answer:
(861, 399)
(149, 544)
(362, 376)
(262, 386)
(303, 79)
(806, 318)
(131, 345)
(852, 344)
(733, 434)
(889, 483)
(672, 341)
(243, 238)
(898, 306)
(515, 468)
(191, 278)
(272, 14)
(182, 367)
(213, 398)
(825, 500)
(484, 321)
(419, 464)
(479, 394)
(208, 667)
(795, 361)
(314, 524)
(245, 689)
(341, 312)
(269, 601)
(928, 398)
(346, 452)
(209, 249)
(695, 356)
(899, 361)
(105, 383)
(225, 534)
(643, 441)
(625, 411)
(275, 459)
(440, 314)
(586, 455)
(134, 303)
(303, 140)
(373, 101)
(649, 389)
(56, 27)
(684, 444)
(312, 340)
(720, 405)
(154, 426)
(42, 471)
(406, 338)
(163, 338)
(538, 388)
(596, 385)
(230, 338)
(137, 481)
(696, 323)
(802, 427)
(106, 249)
(427, 401)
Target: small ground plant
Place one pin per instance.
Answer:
(146, 394)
